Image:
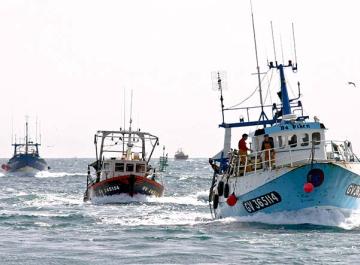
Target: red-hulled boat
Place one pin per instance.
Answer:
(121, 165)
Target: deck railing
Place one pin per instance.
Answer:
(269, 159)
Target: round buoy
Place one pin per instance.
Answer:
(308, 187)
(226, 190)
(231, 200)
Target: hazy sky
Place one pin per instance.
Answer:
(68, 62)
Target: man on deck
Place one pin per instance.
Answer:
(243, 148)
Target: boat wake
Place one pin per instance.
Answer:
(125, 198)
(119, 199)
(47, 174)
(322, 216)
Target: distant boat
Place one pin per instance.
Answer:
(180, 155)
(26, 160)
(127, 171)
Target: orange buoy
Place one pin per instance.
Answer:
(308, 187)
(231, 200)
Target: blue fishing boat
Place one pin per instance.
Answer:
(290, 165)
(26, 160)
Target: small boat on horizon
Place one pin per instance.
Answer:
(26, 160)
(180, 155)
(122, 166)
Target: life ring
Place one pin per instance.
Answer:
(316, 177)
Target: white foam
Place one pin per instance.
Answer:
(203, 195)
(184, 200)
(120, 198)
(154, 218)
(46, 200)
(324, 216)
(47, 174)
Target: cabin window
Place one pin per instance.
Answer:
(130, 167)
(106, 166)
(280, 140)
(293, 141)
(140, 168)
(119, 167)
(316, 138)
(305, 139)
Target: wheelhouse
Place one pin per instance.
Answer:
(122, 153)
(294, 140)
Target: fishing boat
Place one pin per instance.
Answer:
(26, 160)
(180, 155)
(122, 166)
(301, 170)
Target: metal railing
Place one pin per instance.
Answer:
(269, 159)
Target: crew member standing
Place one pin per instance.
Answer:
(243, 148)
(268, 148)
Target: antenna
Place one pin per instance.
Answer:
(273, 40)
(39, 132)
(129, 143)
(12, 128)
(218, 84)
(124, 107)
(262, 115)
(282, 50)
(131, 103)
(36, 129)
(26, 134)
(293, 32)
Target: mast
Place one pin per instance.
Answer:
(262, 115)
(284, 93)
(221, 96)
(26, 137)
(123, 150)
(130, 144)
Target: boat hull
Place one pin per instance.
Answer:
(26, 165)
(336, 186)
(130, 185)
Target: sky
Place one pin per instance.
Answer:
(68, 63)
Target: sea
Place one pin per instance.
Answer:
(43, 220)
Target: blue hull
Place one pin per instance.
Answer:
(26, 165)
(340, 189)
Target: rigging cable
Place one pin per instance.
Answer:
(268, 89)
(257, 87)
